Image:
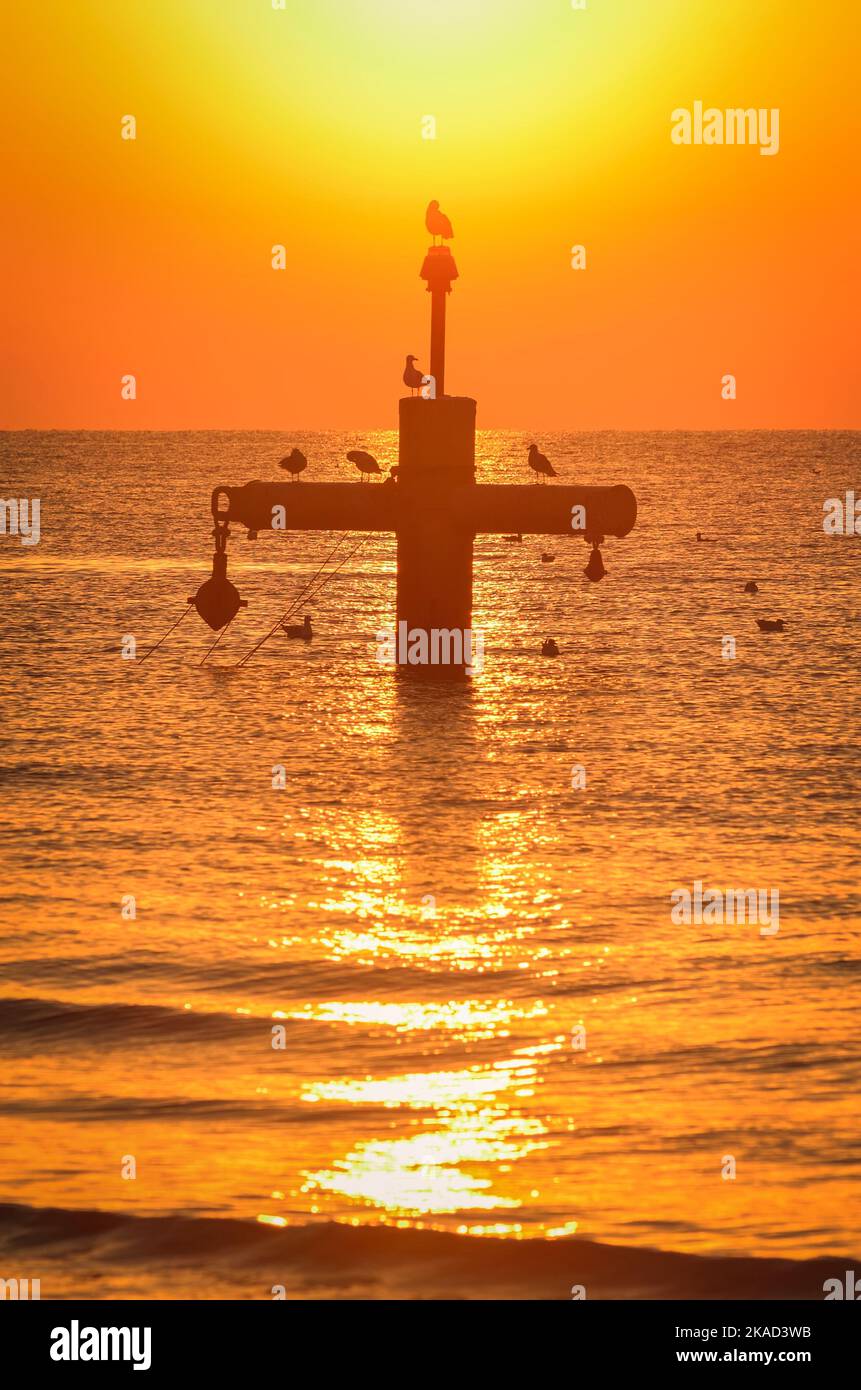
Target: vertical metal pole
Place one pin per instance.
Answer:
(438, 272)
(437, 349)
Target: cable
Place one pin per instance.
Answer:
(305, 592)
(211, 649)
(293, 606)
(186, 611)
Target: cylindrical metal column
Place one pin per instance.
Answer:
(436, 459)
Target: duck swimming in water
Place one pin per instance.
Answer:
(302, 630)
(549, 647)
(547, 559)
(751, 587)
(770, 624)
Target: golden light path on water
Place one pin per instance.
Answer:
(475, 1120)
(422, 1175)
(475, 1116)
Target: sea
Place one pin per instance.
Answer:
(414, 1017)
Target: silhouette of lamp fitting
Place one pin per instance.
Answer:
(594, 569)
(217, 600)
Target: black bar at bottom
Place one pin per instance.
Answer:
(394, 1340)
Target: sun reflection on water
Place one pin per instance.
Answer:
(467, 1018)
(475, 1123)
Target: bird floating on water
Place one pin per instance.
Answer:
(540, 465)
(751, 587)
(366, 463)
(437, 223)
(547, 559)
(515, 540)
(549, 647)
(770, 624)
(294, 463)
(413, 378)
(299, 630)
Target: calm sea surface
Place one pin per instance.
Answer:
(428, 907)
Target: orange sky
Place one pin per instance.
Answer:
(303, 126)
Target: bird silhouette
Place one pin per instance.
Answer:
(437, 223)
(751, 587)
(541, 466)
(413, 378)
(366, 463)
(547, 559)
(549, 647)
(294, 463)
(299, 630)
(515, 540)
(770, 624)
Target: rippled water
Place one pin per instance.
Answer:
(429, 907)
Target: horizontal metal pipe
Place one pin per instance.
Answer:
(545, 509)
(482, 508)
(315, 506)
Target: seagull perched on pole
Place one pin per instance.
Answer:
(413, 378)
(294, 463)
(437, 223)
(366, 463)
(540, 465)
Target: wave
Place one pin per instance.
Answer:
(28, 1023)
(331, 1259)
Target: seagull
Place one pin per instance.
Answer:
(366, 463)
(437, 223)
(301, 630)
(294, 463)
(539, 464)
(413, 378)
